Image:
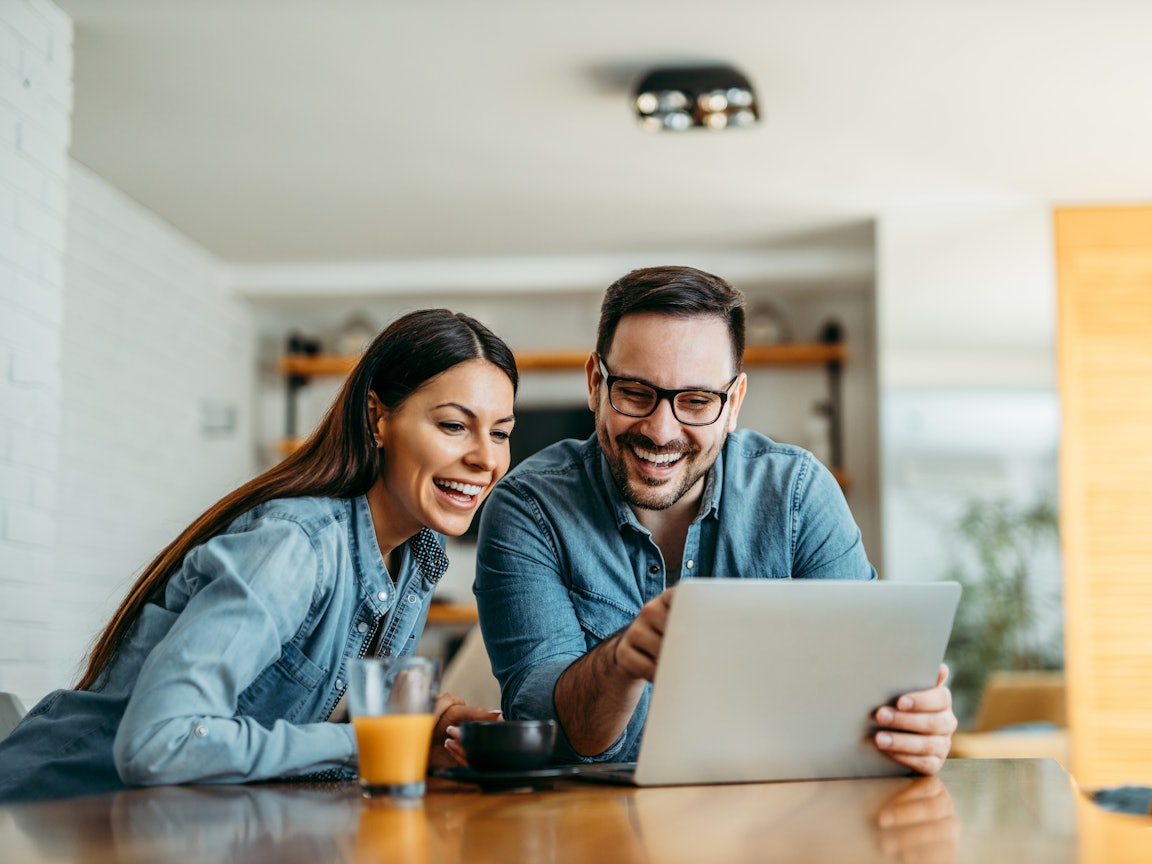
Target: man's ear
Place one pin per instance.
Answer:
(737, 399)
(592, 370)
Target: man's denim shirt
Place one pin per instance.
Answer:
(563, 562)
(231, 675)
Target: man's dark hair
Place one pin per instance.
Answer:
(680, 291)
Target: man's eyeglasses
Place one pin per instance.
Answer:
(690, 407)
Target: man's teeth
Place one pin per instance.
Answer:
(658, 458)
(455, 486)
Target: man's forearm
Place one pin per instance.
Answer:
(595, 699)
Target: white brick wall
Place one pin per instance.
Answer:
(115, 331)
(150, 333)
(35, 124)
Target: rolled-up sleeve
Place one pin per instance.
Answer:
(248, 594)
(530, 626)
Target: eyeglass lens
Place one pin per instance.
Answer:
(697, 407)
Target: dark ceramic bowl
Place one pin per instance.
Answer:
(508, 745)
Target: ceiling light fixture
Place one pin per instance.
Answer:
(676, 98)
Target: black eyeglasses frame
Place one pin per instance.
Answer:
(661, 394)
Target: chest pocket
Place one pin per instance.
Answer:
(599, 616)
(282, 691)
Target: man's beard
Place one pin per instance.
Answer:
(649, 493)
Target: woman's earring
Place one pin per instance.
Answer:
(379, 443)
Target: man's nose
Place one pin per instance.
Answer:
(661, 426)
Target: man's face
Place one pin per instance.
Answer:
(656, 461)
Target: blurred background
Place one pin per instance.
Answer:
(192, 190)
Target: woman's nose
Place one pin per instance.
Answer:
(485, 454)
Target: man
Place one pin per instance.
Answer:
(581, 545)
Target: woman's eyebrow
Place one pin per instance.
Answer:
(472, 414)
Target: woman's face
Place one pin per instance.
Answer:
(444, 448)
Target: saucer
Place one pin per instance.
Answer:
(542, 778)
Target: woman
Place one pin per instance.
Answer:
(229, 656)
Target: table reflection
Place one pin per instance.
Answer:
(918, 824)
(985, 811)
(191, 824)
(390, 830)
(598, 822)
(879, 820)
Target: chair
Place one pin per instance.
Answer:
(469, 673)
(12, 711)
(1013, 698)
(1021, 715)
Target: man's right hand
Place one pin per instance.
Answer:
(596, 695)
(637, 647)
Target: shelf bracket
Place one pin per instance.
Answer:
(833, 334)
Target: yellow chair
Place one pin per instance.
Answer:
(1021, 715)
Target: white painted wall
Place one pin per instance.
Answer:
(968, 403)
(966, 328)
(35, 125)
(966, 297)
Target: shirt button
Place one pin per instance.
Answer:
(654, 569)
(362, 627)
(411, 598)
(690, 564)
(339, 683)
(201, 731)
(383, 595)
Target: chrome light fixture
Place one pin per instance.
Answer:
(677, 98)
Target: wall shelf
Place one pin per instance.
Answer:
(783, 354)
(452, 613)
(299, 368)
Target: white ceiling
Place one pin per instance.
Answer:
(298, 130)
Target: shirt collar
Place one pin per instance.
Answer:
(423, 549)
(713, 484)
(429, 554)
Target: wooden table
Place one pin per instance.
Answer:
(976, 811)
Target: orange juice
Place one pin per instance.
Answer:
(391, 831)
(393, 748)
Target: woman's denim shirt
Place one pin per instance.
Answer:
(231, 675)
(563, 562)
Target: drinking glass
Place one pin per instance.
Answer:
(391, 701)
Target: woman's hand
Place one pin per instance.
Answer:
(450, 712)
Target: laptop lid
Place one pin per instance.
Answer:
(777, 679)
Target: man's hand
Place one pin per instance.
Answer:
(596, 696)
(450, 712)
(918, 731)
(919, 824)
(637, 647)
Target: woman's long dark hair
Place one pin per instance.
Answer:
(339, 460)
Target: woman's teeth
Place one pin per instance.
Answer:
(455, 486)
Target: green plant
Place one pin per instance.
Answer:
(1009, 615)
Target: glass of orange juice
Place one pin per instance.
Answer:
(391, 701)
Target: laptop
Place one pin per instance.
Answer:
(777, 679)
